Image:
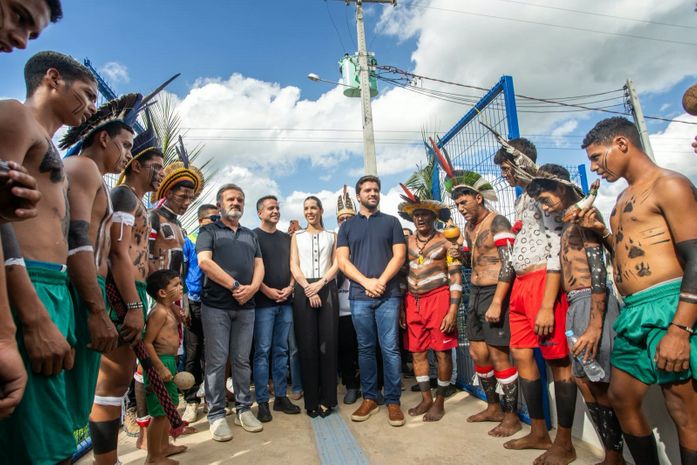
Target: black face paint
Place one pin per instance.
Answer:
(687, 252)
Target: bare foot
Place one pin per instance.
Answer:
(530, 442)
(508, 427)
(556, 455)
(435, 413)
(420, 409)
(171, 449)
(491, 413)
(189, 430)
(160, 461)
(142, 441)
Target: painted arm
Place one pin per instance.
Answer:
(449, 322)
(503, 241)
(673, 350)
(544, 323)
(84, 186)
(121, 266)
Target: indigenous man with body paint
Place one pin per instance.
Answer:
(537, 309)
(128, 268)
(593, 309)
(654, 239)
(488, 243)
(430, 307)
(59, 91)
(100, 145)
(23, 20)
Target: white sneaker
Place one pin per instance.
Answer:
(201, 391)
(248, 422)
(220, 431)
(190, 413)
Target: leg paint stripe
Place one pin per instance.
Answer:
(105, 435)
(444, 383)
(111, 401)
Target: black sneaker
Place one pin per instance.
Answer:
(351, 396)
(282, 404)
(264, 414)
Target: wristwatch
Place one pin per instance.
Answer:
(235, 285)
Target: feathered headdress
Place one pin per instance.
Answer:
(412, 203)
(179, 171)
(462, 178)
(563, 178)
(125, 109)
(344, 204)
(523, 167)
(143, 143)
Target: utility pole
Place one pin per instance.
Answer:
(364, 77)
(635, 107)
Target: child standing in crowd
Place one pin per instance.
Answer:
(161, 342)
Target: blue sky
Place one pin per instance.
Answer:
(271, 47)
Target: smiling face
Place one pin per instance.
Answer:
(369, 195)
(270, 212)
(313, 212)
(21, 21)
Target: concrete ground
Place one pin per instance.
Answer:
(296, 439)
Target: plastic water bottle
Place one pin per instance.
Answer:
(592, 368)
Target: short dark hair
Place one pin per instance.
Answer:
(56, 10)
(159, 280)
(365, 179)
(260, 202)
(462, 191)
(183, 183)
(147, 156)
(112, 128)
(608, 129)
(540, 185)
(205, 208)
(522, 144)
(227, 187)
(69, 68)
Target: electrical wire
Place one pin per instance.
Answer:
(326, 4)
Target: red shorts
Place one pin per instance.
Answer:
(526, 298)
(424, 314)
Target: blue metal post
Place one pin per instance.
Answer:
(584, 177)
(435, 184)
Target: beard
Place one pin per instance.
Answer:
(233, 214)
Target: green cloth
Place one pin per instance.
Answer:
(143, 294)
(154, 407)
(640, 326)
(82, 379)
(40, 431)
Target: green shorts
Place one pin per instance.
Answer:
(82, 379)
(40, 431)
(154, 407)
(142, 293)
(640, 326)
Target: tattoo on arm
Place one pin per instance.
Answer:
(596, 265)
(687, 252)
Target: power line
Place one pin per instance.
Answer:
(602, 15)
(557, 26)
(334, 24)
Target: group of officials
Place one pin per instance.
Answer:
(80, 257)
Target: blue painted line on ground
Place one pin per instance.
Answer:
(335, 443)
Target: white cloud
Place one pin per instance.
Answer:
(115, 72)
(562, 130)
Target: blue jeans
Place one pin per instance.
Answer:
(295, 376)
(377, 321)
(271, 328)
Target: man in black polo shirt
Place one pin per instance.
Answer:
(274, 313)
(371, 250)
(230, 259)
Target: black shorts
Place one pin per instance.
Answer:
(478, 329)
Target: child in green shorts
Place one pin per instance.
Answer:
(162, 341)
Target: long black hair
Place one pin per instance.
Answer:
(319, 204)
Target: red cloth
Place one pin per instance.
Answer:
(525, 301)
(424, 314)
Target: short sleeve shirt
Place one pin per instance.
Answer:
(370, 240)
(234, 252)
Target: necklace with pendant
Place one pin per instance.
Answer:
(420, 259)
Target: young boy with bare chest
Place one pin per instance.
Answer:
(162, 341)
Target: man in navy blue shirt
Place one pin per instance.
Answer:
(371, 250)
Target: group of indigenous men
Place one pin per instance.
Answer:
(76, 255)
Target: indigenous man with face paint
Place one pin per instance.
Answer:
(654, 239)
(434, 286)
(128, 268)
(592, 308)
(23, 20)
(100, 145)
(537, 309)
(488, 243)
(59, 91)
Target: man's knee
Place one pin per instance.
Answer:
(621, 399)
